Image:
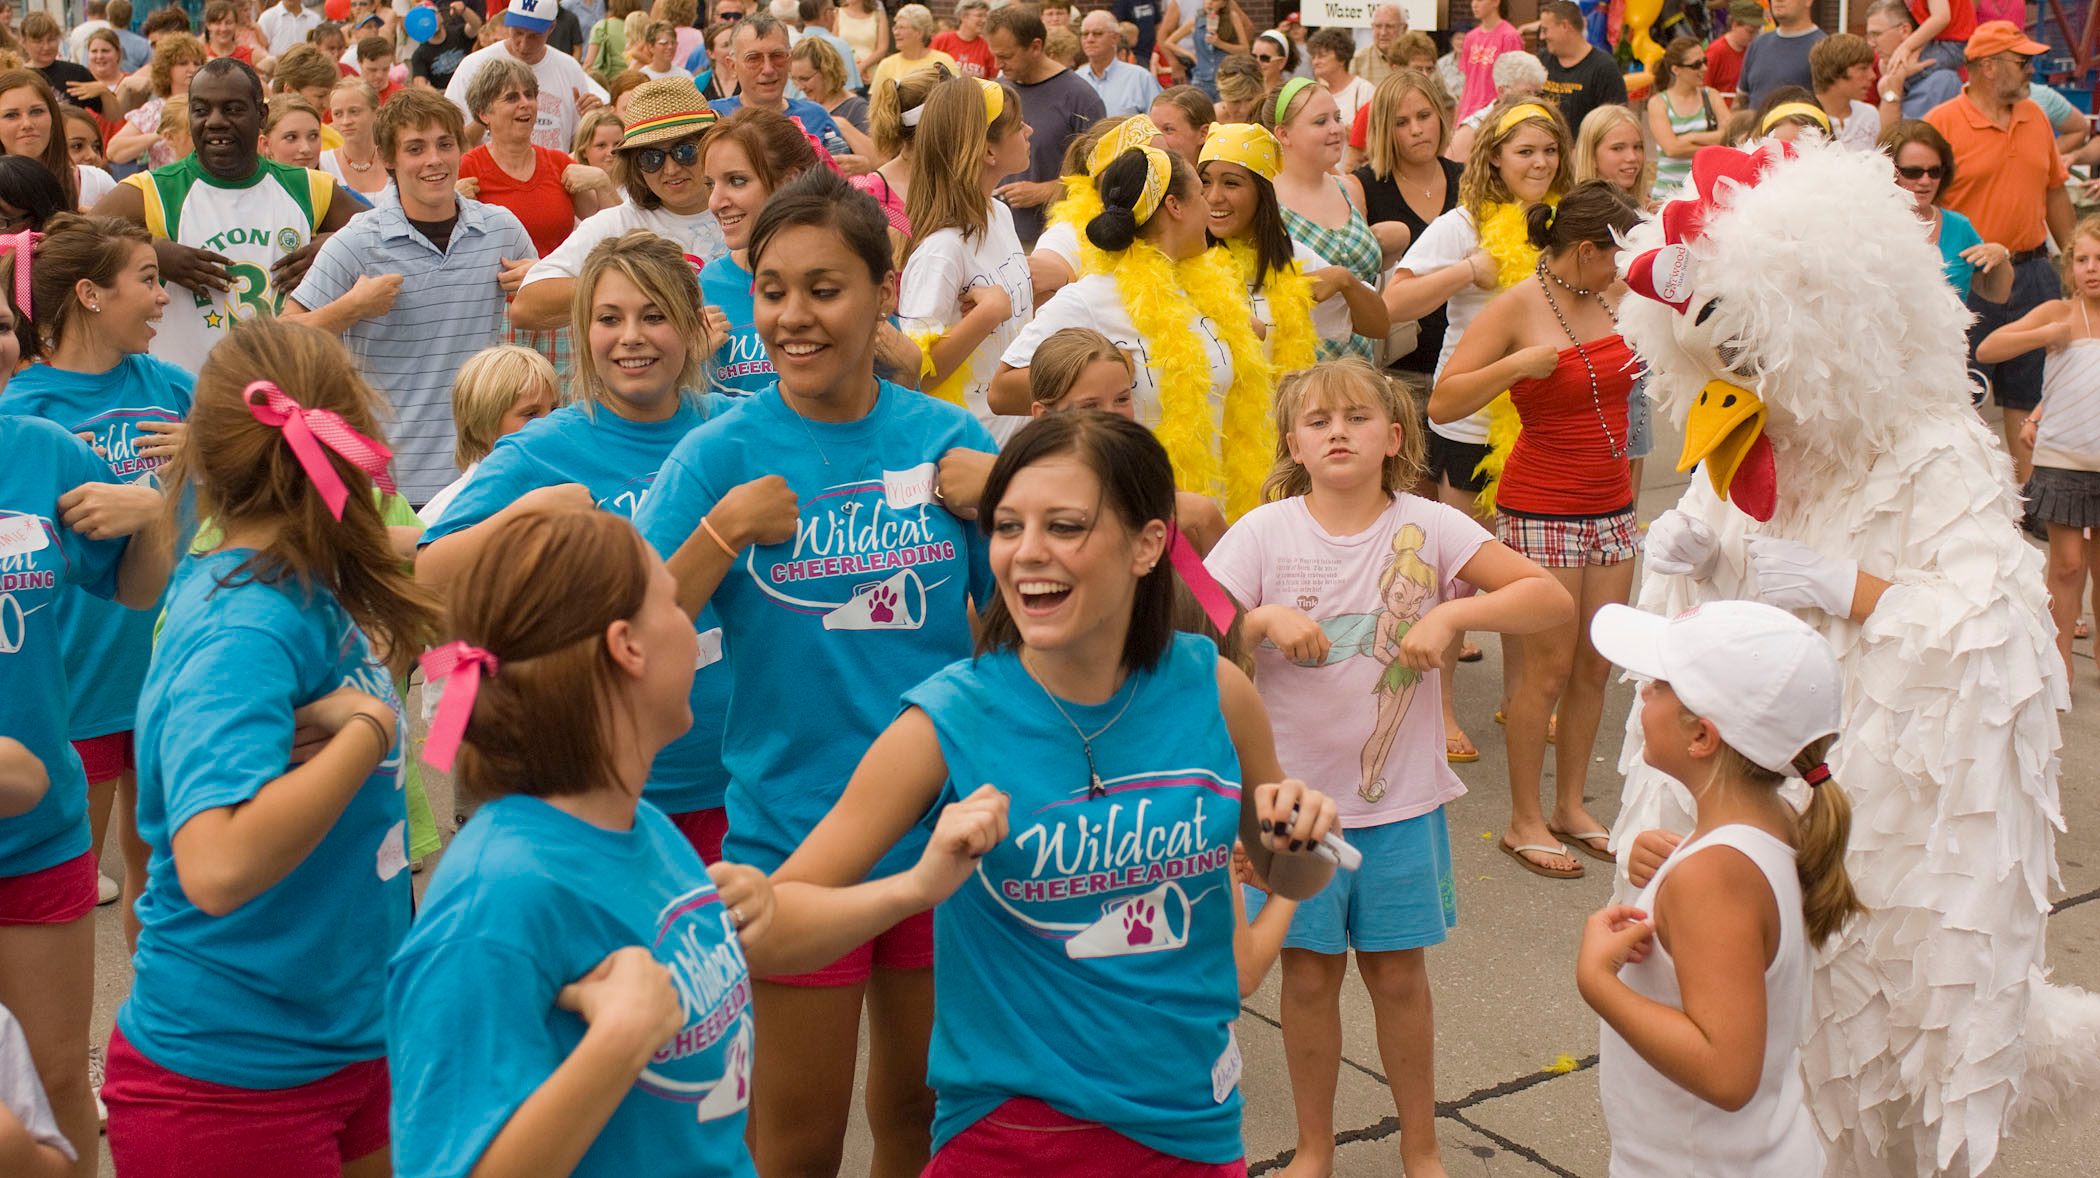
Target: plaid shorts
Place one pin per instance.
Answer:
(1558, 542)
(556, 344)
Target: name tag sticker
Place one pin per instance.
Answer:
(710, 648)
(21, 535)
(1225, 1074)
(909, 488)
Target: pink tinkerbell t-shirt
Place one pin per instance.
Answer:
(1359, 726)
(1482, 48)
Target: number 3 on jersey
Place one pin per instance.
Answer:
(251, 294)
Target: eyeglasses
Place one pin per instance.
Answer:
(2018, 61)
(1692, 65)
(777, 59)
(1266, 57)
(651, 159)
(1932, 172)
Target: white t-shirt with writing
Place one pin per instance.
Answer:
(942, 266)
(1357, 725)
(1447, 241)
(1094, 301)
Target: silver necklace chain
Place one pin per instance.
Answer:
(1094, 788)
(1618, 449)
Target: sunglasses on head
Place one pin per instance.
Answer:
(1932, 172)
(651, 159)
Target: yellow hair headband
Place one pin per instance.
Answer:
(1159, 172)
(1246, 144)
(994, 100)
(1283, 97)
(1517, 114)
(1135, 131)
(1795, 110)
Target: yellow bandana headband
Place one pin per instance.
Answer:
(1159, 173)
(1135, 131)
(1246, 144)
(1793, 110)
(1517, 114)
(1283, 97)
(994, 100)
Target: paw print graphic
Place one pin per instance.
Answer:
(882, 604)
(1137, 922)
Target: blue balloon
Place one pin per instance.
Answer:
(421, 23)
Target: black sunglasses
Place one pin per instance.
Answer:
(1266, 57)
(651, 159)
(1933, 172)
(1692, 65)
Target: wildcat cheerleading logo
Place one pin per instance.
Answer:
(23, 575)
(879, 532)
(714, 991)
(114, 436)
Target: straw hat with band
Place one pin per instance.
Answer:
(665, 109)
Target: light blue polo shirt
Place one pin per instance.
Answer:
(1125, 90)
(449, 308)
(815, 120)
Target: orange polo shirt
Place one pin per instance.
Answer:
(2002, 175)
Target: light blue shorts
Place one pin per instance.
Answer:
(1402, 898)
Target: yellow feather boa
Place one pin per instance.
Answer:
(1290, 304)
(1082, 203)
(949, 390)
(1505, 237)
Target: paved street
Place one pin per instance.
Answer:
(1505, 995)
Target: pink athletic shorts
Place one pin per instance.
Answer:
(106, 757)
(59, 894)
(164, 1125)
(1025, 1138)
(907, 944)
(704, 829)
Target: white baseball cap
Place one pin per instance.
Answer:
(1766, 679)
(534, 16)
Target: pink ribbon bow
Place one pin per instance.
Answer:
(459, 667)
(306, 431)
(23, 244)
(1216, 603)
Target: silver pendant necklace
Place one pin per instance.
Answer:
(1094, 787)
(1617, 447)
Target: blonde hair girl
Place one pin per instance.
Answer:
(496, 393)
(590, 146)
(1079, 368)
(292, 132)
(1610, 147)
(970, 137)
(891, 100)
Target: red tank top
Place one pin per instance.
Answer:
(1562, 463)
(1961, 18)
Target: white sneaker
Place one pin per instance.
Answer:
(106, 890)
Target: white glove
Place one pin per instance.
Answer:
(1679, 545)
(1794, 576)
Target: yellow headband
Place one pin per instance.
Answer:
(1159, 172)
(1246, 144)
(994, 100)
(1135, 131)
(1795, 110)
(1517, 114)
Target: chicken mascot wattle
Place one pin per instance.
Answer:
(1795, 323)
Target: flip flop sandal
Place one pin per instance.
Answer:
(1470, 653)
(1552, 725)
(1582, 842)
(1465, 754)
(2082, 629)
(1534, 866)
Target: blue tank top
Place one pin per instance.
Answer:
(1094, 945)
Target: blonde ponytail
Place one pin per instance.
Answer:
(1822, 830)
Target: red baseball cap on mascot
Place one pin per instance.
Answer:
(1994, 37)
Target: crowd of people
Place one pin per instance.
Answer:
(782, 443)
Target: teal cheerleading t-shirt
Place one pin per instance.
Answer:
(1093, 947)
(617, 460)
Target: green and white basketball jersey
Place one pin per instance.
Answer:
(253, 223)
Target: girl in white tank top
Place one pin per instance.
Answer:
(1702, 984)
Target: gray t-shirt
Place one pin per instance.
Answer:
(1055, 109)
(1777, 59)
(22, 1092)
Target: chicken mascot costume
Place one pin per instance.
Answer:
(1795, 322)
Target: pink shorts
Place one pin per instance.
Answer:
(59, 894)
(705, 829)
(164, 1125)
(907, 944)
(1025, 1138)
(106, 757)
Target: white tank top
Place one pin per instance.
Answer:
(1660, 1129)
(2069, 436)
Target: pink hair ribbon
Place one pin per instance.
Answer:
(308, 431)
(1216, 603)
(459, 667)
(23, 244)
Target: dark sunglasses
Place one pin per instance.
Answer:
(1266, 57)
(1692, 65)
(651, 159)
(1933, 172)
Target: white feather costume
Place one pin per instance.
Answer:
(1935, 1029)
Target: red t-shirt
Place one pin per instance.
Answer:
(541, 203)
(1724, 66)
(975, 57)
(1562, 463)
(1961, 19)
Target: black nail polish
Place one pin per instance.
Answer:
(1297, 844)
(1265, 826)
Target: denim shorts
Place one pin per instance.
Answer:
(1403, 897)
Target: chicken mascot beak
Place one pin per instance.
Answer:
(1726, 430)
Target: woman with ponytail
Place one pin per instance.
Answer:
(965, 293)
(1297, 296)
(1155, 289)
(1704, 982)
(94, 298)
(1564, 497)
(1057, 261)
(270, 784)
(893, 123)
